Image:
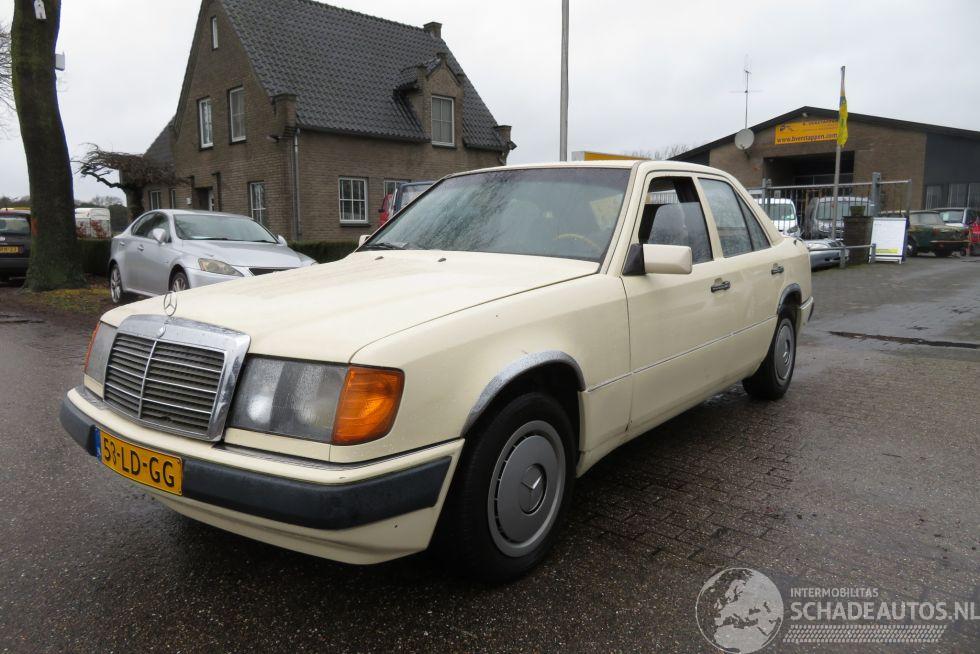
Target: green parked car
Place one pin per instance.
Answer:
(928, 233)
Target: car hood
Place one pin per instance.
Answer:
(237, 253)
(330, 311)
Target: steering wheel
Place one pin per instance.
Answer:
(582, 239)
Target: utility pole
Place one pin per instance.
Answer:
(833, 201)
(563, 135)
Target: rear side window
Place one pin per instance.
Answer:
(673, 215)
(729, 219)
(759, 239)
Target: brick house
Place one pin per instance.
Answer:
(304, 115)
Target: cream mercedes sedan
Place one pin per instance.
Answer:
(448, 381)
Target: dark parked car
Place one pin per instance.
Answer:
(15, 243)
(928, 233)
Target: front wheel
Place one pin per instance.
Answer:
(116, 292)
(511, 490)
(911, 248)
(179, 282)
(771, 380)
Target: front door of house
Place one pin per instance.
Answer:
(205, 198)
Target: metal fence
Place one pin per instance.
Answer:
(806, 210)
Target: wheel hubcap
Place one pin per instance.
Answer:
(784, 352)
(526, 489)
(178, 284)
(115, 285)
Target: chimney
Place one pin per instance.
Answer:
(503, 131)
(284, 105)
(433, 29)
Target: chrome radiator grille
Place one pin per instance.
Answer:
(172, 385)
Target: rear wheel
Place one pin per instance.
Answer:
(511, 490)
(178, 282)
(771, 380)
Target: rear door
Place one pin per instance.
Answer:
(756, 277)
(679, 324)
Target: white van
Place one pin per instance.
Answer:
(93, 223)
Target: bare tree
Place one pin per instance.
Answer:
(6, 83)
(661, 154)
(55, 258)
(136, 172)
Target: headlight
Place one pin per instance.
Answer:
(316, 401)
(217, 267)
(98, 351)
(816, 246)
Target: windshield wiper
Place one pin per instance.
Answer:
(385, 245)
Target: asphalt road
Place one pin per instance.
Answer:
(864, 475)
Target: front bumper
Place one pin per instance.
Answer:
(824, 258)
(14, 265)
(357, 513)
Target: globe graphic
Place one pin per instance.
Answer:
(739, 610)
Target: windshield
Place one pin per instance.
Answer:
(779, 211)
(15, 226)
(954, 216)
(925, 219)
(553, 212)
(843, 207)
(213, 227)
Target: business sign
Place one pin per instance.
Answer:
(806, 131)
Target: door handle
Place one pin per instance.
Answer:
(721, 286)
(140, 247)
(776, 269)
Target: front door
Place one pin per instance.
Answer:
(679, 324)
(205, 198)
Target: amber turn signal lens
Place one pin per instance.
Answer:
(91, 342)
(368, 404)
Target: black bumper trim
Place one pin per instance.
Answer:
(305, 504)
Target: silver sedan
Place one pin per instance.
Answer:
(170, 249)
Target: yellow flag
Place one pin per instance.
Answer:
(842, 113)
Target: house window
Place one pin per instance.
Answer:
(236, 114)
(256, 201)
(204, 122)
(155, 199)
(214, 32)
(173, 198)
(392, 184)
(442, 121)
(353, 201)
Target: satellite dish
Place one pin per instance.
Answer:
(744, 139)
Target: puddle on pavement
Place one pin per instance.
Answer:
(7, 319)
(906, 340)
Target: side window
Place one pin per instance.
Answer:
(729, 221)
(672, 215)
(150, 223)
(759, 239)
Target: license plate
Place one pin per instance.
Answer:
(9, 249)
(154, 469)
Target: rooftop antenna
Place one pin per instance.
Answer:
(747, 70)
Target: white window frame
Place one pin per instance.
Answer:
(206, 135)
(362, 200)
(214, 32)
(257, 211)
(232, 115)
(155, 198)
(452, 120)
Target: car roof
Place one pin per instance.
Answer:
(950, 209)
(221, 214)
(642, 165)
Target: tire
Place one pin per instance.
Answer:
(117, 293)
(511, 490)
(178, 281)
(772, 379)
(911, 248)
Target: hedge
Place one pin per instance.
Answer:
(324, 251)
(95, 255)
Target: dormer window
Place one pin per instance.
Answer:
(443, 132)
(214, 32)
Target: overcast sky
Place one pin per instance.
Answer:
(642, 74)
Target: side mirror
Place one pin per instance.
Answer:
(362, 239)
(667, 259)
(281, 239)
(158, 235)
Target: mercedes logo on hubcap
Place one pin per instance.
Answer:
(533, 486)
